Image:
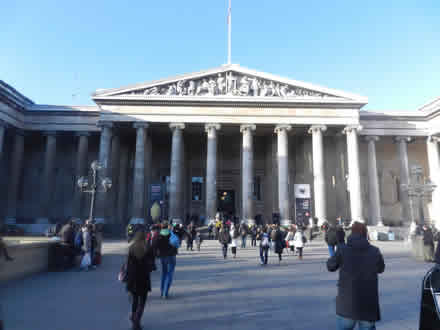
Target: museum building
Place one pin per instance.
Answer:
(228, 139)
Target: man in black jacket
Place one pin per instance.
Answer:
(358, 297)
(331, 239)
(428, 244)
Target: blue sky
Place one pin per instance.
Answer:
(59, 52)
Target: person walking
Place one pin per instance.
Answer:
(298, 242)
(167, 254)
(224, 238)
(359, 263)
(331, 239)
(86, 261)
(278, 241)
(140, 263)
(340, 236)
(234, 241)
(289, 239)
(428, 244)
(190, 236)
(264, 239)
(198, 240)
(253, 232)
(243, 233)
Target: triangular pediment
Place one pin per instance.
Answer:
(228, 81)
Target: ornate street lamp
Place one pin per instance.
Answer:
(418, 190)
(83, 183)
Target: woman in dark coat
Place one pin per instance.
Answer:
(139, 266)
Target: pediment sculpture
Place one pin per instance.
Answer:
(230, 84)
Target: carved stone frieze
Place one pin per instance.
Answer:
(230, 83)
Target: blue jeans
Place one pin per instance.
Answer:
(243, 241)
(263, 254)
(348, 324)
(331, 250)
(168, 265)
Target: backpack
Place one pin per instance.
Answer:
(174, 240)
(78, 240)
(273, 235)
(265, 240)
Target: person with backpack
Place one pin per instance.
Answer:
(235, 234)
(140, 263)
(224, 238)
(167, 245)
(243, 234)
(198, 240)
(264, 239)
(298, 241)
(253, 233)
(277, 238)
(331, 239)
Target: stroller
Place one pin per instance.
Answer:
(430, 304)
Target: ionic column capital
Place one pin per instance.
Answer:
(433, 139)
(371, 138)
(141, 124)
(82, 133)
(282, 127)
(49, 133)
(212, 126)
(105, 124)
(317, 128)
(247, 127)
(175, 126)
(403, 138)
(352, 128)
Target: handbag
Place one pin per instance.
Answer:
(122, 276)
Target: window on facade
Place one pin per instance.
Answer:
(196, 188)
(257, 188)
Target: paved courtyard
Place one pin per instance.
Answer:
(211, 293)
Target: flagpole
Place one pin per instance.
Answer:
(229, 33)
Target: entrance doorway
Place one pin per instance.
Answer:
(226, 201)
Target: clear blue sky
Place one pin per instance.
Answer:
(387, 50)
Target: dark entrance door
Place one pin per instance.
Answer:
(226, 201)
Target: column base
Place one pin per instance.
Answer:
(285, 222)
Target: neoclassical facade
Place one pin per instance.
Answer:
(230, 138)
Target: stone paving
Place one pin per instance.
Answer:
(212, 293)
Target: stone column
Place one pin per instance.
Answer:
(373, 183)
(283, 173)
(139, 172)
(113, 193)
(122, 193)
(3, 127)
(48, 176)
(211, 171)
(176, 189)
(320, 200)
(248, 173)
(81, 170)
(354, 176)
(407, 213)
(105, 145)
(15, 174)
(434, 175)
